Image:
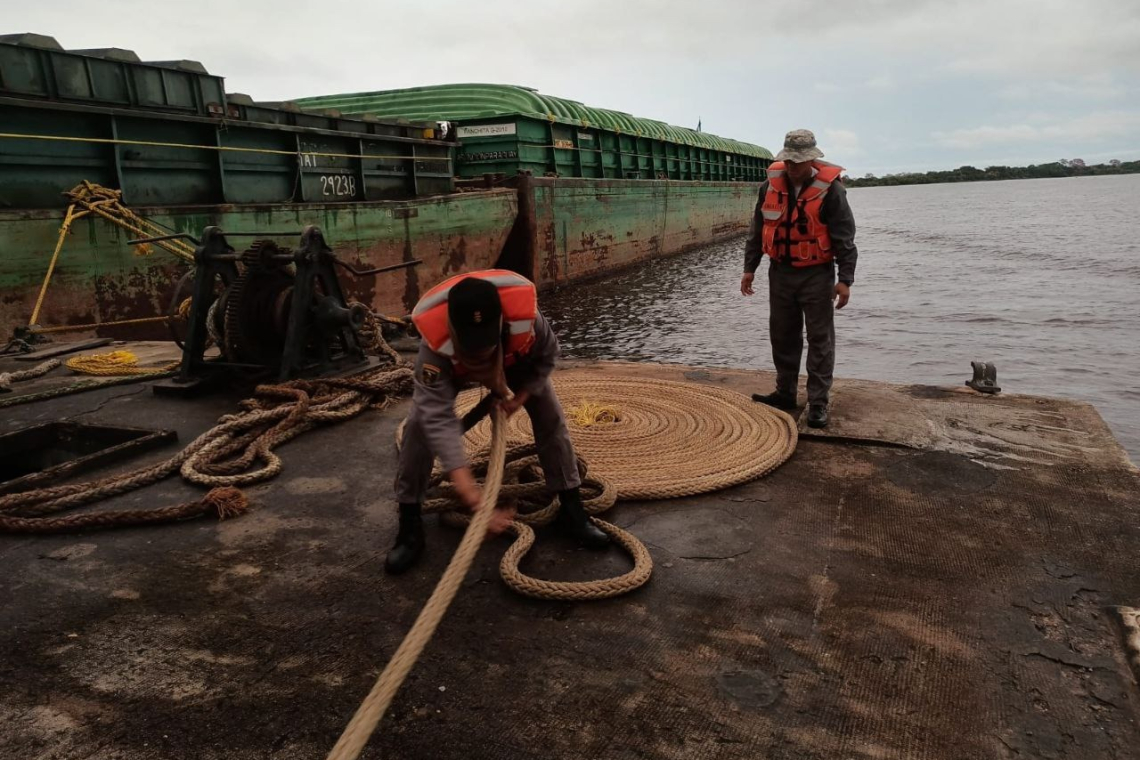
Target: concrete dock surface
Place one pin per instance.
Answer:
(935, 576)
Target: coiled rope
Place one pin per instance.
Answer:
(115, 363)
(671, 439)
(651, 439)
(668, 432)
(524, 485)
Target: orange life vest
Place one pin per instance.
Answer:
(518, 296)
(801, 236)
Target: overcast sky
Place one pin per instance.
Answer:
(887, 85)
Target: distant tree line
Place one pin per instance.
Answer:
(1066, 167)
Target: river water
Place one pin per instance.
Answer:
(1041, 277)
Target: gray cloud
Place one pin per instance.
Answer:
(1092, 127)
(890, 84)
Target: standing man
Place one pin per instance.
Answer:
(482, 328)
(804, 225)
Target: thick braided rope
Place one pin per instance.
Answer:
(775, 443)
(7, 378)
(224, 455)
(660, 439)
(223, 502)
(575, 591)
(80, 387)
(672, 438)
(535, 509)
(372, 710)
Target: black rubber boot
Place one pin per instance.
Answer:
(409, 541)
(776, 399)
(573, 522)
(817, 415)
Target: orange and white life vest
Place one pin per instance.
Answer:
(519, 299)
(801, 236)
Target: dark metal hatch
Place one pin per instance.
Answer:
(44, 454)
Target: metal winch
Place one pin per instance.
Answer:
(273, 312)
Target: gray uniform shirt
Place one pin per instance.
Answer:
(835, 213)
(436, 387)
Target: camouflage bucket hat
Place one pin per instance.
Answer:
(799, 146)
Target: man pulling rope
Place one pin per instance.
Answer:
(484, 328)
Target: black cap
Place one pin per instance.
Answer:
(475, 314)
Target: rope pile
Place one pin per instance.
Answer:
(113, 364)
(653, 439)
(238, 451)
(668, 439)
(524, 485)
(671, 439)
(7, 378)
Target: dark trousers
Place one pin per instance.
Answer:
(555, 451)
(799, 296)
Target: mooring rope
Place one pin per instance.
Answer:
(80, 387)
(650, 439)
(223, 502)
(523, 484)
(372, 710)
(690, 427)
(671, 439)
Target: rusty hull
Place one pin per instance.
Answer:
(556, 231)
(99, 278)
(590, 227)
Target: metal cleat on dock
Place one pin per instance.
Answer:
(985, 378)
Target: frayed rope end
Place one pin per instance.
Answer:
(227, 501)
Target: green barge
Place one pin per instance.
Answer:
(457, 177)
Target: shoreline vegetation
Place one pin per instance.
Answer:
(1066, 167)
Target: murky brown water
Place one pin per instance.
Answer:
(1041, 277)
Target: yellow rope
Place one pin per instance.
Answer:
(590, 413)
(96, 325)
(90, 198)
(108, 203)
(222, 148)
(114, 363)
(316, 154)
